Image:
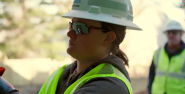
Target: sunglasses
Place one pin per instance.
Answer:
(81, 28)
(172, 32)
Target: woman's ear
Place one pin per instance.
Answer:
(110, 37)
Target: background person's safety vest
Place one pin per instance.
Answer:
(169, 74)
(102, 70)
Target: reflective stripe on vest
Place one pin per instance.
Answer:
(183, 68)
(106, 70)
(157, 63)
(173, 75)
(170, 73)
(102, 70)
(157, 57)
(50, 85)
(49, 82)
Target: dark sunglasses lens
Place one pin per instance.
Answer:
(173, 32)
(80, 28)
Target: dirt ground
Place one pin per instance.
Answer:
(139, 85)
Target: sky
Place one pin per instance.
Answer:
(170, 7)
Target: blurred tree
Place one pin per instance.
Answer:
(181, 4)
(33, 28)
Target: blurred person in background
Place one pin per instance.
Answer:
(96, 30)
(167, 71)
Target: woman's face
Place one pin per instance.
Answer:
(87, 46)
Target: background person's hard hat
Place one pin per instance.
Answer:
(117, 12)
(174, 25)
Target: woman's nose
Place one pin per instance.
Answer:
(71, 34)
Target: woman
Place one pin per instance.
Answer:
(96, 30)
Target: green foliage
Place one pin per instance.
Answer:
(182, 5)
(30, 31)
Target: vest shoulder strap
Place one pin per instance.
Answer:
(157, 56)
(52, 81)
(102, 70)
(183, 66)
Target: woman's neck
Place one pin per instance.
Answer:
(83, 64)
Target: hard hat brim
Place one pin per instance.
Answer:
(102, 18)
(166, 30)
(169, 30)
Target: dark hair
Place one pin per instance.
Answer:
(120, 32)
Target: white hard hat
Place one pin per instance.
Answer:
(117, 12)
(174, 25)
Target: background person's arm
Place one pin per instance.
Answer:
(151, 77)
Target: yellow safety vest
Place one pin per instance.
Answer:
(169, 74)
(102, 70)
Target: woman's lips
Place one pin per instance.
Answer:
(71, 43)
